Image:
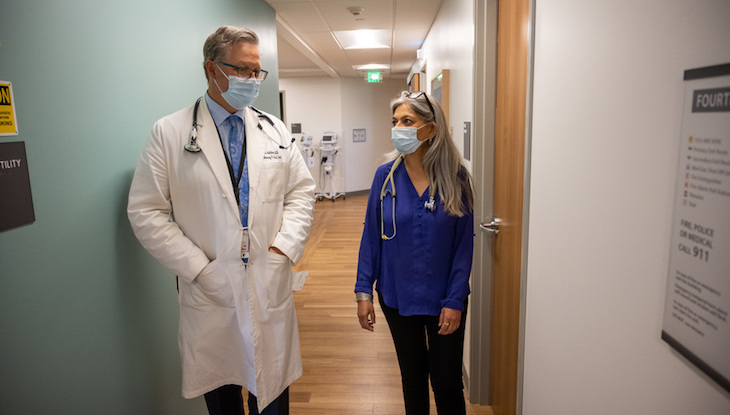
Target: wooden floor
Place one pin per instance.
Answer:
(347, 370)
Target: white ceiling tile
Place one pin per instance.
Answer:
(290, 57)
(409, 38)
(410, 14)
(313, 20)
(377, 14)
(367, 56)
(302, 17)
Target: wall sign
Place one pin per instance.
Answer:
(8, 121)
(698, 287)
(358, 135)
(16, 202)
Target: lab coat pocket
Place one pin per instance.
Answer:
(211, 287)
(279, 280)
(271, 182)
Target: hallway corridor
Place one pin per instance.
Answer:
(347, 370)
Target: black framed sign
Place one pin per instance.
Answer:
(16, 201)
(698, 287)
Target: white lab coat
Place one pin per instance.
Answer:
(184, 212)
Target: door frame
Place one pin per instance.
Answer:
(485, 76)
(512, 143)
(526, 198)
(510, 197)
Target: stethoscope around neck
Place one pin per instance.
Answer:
(430, 204)
(193, 147)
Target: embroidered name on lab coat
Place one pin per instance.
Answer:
(272, 155)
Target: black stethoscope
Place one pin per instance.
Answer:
(430, 204)
(193, 147)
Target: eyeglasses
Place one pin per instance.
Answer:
(416, 95)
(259, 74)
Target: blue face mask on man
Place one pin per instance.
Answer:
(241, 92)
(405, 139)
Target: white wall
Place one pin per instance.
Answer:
(450, 45)
(367, 106)
(607, 115)
(315, 104)
(341, 105)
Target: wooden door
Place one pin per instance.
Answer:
(509, 178)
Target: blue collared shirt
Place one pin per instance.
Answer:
(220, 115)
(426, 266)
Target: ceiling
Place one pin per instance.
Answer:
(308, 45)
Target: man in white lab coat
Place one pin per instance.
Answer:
(229, 227)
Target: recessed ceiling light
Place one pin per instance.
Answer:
(364, 39)
(371, 66)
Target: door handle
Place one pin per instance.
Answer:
(491, 227)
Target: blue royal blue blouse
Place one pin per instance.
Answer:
(426, 266)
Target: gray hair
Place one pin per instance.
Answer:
(442, 162)
(218, 44)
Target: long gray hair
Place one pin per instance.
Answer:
(217, 45)
(442, 162)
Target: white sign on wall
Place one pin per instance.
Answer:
(698, 287)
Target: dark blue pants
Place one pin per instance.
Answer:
(227, 400)
(422, 352)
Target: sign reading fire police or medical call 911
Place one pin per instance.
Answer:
(698, 288)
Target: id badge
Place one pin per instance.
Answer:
(245, 246)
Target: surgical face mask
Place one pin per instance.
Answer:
(405, 139)
(241, 92)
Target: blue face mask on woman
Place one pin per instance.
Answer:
(241, 92)
(405, 139)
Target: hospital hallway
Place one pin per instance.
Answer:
(347, 370)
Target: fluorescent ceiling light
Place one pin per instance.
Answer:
(364, 39)
(371, 66)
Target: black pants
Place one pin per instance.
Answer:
(227, 400)
(422, 352)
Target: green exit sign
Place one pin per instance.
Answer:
(375, 76)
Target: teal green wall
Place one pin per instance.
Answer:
(88, 320)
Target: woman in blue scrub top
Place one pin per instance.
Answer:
(416, 249)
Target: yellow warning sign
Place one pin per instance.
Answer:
(8, 121)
